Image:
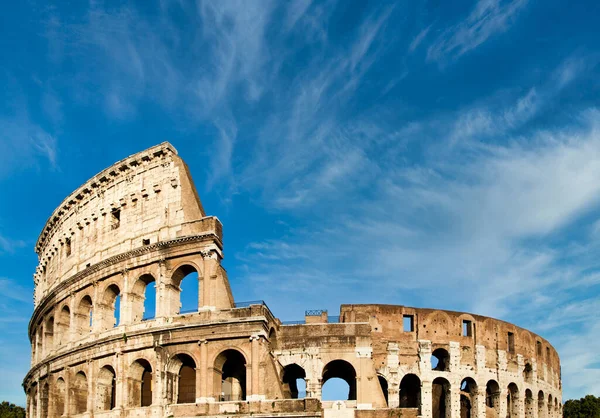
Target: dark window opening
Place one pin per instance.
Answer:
(547, 353)
(146, 241)
(68, 246)
(440, 360)
(408, 322)
(511, 342)
(384, 388)
(410, 392)
(539, 348)
(467, 328)
(115, 219)
(294, 383)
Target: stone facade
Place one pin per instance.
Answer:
(139, 225)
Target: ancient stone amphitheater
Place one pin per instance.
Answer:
(138, 228)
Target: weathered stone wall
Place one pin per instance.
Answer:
(224, 359)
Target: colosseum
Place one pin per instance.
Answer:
(138, 229)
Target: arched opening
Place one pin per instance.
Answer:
(230, 376)
(541, 409)
(33, 401)
(140, 383)
(58, 408)
(84, 316)
(106, 389)
(39, 342)
(49, 335)
(79, 393)
(383, 384)
(63, 325)
(44, 399)
(187, 279)
(549, 406)
(441, 401)
(492, 399)
(143, 298)
(336, 373)
(410, 392)
(528, 373)
(440, 360)
(183, 371)
(294, 383)
(530, 407)
(111, 302)
(512, 401)
(468, 401)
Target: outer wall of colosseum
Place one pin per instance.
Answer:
(139, 225)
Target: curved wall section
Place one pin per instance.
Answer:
(110, 336)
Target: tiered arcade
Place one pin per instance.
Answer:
(137, 230)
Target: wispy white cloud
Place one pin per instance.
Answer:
(417, 40)
(488, 18)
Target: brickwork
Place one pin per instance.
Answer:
(140, 225)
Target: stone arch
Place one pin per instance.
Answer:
(84, 315)
(230, 375)
(492, 398)
(512, 401)
(440, 360)
(79, 393)
(273, 338)
(181, 378)
(530, 407)
(49, 334)
(33, 401)
(540, 404)
(441, 399)
(410, 391)
(139, 383)
(143, 298)
(528, 373)
(468, 398)
(340, 369)
(63, 325)
(110, 306)
(191, 287)
(106, 389)
(58, 398)
(383, 384)
(292, 374)
(439, 320)
(549, 406)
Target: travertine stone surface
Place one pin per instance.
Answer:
(97, 350)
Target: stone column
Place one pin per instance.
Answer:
(479, 410)
(454, 394)
(91, 400)
(207, 295)
(162, 299)
(255, 394)
(393, 384)
(121, 380)
(67, 375)
(362, 384)
(38, 400)
(426, 399)
(503, 404)
(205, 372)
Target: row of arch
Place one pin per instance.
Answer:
(410, 393)
(71, 322)
(180, 386)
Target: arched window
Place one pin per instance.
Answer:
(530, 406)
(182, 369)
(49, 335)
(33, 401)
(410, 392)
(187, 279)
(441, 402)
(383, 384)
(63, 325)
(84, 316)
(230, 369)
(549, 405)
(111, 301)
(540, 404)
(492, 396)
(512, 401)
(79, 393)
(58, 398)
(106, 389)
(294, 384)
(336, 372)
(140, 383)
(144, 298)
(273, 338)
(468, 402)
(528, 373)
(440, 360)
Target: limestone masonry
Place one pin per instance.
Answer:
(138, 228)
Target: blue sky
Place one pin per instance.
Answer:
(435, 154)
